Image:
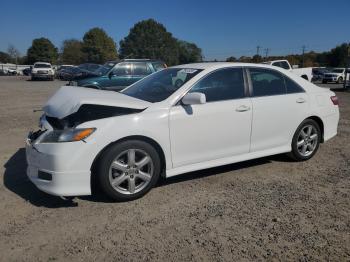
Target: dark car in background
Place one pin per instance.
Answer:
(116, 75)
(27, 71)
(318, 73)
(69, 73)
(89, 67)
(60, 72)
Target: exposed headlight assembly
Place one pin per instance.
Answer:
(67, 135)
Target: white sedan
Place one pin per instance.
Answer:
(221, 113)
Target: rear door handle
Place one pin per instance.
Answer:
(242, 108)
(300, 100)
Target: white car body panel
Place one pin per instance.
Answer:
(200, 142)
(209, 135)
(68, 100)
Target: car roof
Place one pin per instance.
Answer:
(135, 60)
(215, 65)
(46, 63)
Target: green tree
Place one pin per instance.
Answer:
(42, 50)
(72, 52)
(337, 57)
(5, 57)
(98, 47)
(150, 39)
(231, 59)
(257, 59)
(189, 52)
(245, 59)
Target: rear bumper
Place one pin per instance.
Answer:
(64, 178)
(330, 126)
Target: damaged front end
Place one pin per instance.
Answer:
(89, 113)
(70, 107)
(65, 130)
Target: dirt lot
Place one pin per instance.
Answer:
(266, 209)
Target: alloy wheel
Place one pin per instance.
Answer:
(131, 171)
(307, 140)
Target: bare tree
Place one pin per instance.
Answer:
(13, 52)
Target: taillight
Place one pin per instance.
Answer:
(335, 100)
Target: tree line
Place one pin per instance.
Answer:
(150, 39)
(146, 39)
(336, 57)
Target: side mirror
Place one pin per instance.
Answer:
(195, 98)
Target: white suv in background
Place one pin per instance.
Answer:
(336, 75)
(43, 70)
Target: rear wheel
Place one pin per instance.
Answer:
(306, 140)
(128, 170)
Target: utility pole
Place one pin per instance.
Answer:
(303, 48)
(258, 49)
(266, 52)
(347, 61)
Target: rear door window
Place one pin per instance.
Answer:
(267, 82)
(141, 69)
(122, 69)
(292, 87)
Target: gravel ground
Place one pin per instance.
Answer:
(266, 209)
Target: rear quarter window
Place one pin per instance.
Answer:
(292, 87)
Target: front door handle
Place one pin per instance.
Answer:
(300, 100)
(242, 108)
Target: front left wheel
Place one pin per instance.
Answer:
(128, 170)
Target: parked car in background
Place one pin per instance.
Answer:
(60, 71)
(116, 75)
(12, 71)
(43, 70)
(222, 113)
(336, 75)
(76, 73)
(27, 71)
(305, 73)
(89, 67)
(318, 73)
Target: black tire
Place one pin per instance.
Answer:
(33, 78)
(105, 162)
(340, 80)
(324, 82)
(295, 153)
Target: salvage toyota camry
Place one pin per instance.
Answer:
(180, 119)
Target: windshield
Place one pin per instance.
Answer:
(105, 68)
(160, 85)
(338, 70)
(42, 66)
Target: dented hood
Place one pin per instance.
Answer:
(68, 99)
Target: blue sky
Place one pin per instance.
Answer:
(220, 28)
